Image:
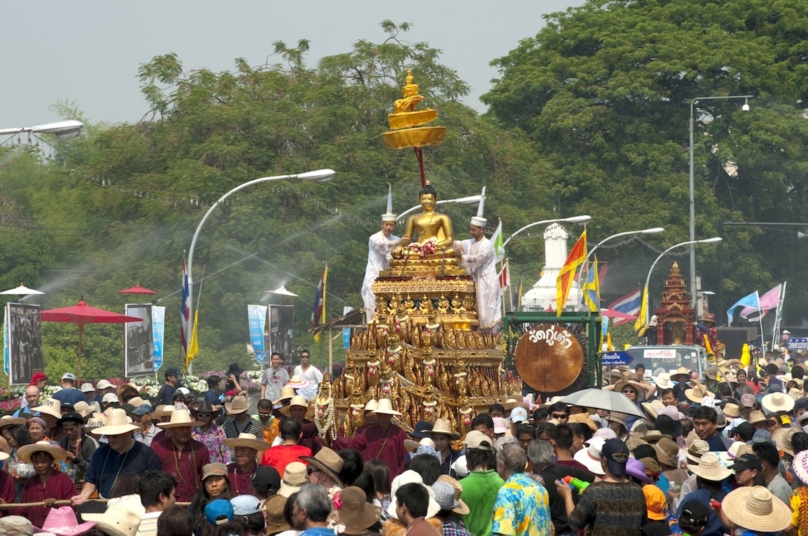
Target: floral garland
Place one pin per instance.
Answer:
(325, 418)
(427, 247)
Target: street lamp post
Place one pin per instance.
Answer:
(320, 175)
(573, 219)
(714, 240)
(64, 130)
(470, 200)
(693, 241)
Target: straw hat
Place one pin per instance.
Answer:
(663, 381)
(732, 410)
(238, 405)
(653, 408)
(697, 393)
(62, 522)
(116, 423)
(162, 411)
(179, 419)
(681, 375)
(356, 514)
(297, 400)
(796, 394)
(25, 453)
(248, 441)
(294, 476)
(83, 409)
(710, 468)
(653, 436)
(585, 419)
(296, 382)
(8, 420)
(696, 450)
(511, 403)
(618, 387)
(448, 499)
(756, 509)
(286, 394)
(443, 426)
(590, 456)
(276, 521)
(667, 452)
(776, 402)
(51, 407)
(461, 509)
(116, 521)
(326, 461)
(756, 417)
(782, 437)
(385, 407)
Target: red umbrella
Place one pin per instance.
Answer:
(82, 314)
(137, 289)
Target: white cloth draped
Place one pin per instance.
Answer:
(480, 262)
(379, 249)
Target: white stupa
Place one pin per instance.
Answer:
(542, 297)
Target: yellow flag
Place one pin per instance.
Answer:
(746, 357)
(193, 346)
(640, 323)
(609, 345)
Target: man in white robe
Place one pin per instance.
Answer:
(380, 245)
(478, 258)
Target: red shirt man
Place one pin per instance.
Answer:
(289, 451)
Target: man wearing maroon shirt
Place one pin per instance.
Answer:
(182, 456)
(245, 450)
(562, 442)
(289, 451)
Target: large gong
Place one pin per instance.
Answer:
(549, 357)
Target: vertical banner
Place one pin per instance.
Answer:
(138, 341)
(281, 330)
(24, 342)
(5, 341)
(257, 317)
(158, 329)
(346, 333)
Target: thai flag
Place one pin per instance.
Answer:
(186, 309)
(629, 304)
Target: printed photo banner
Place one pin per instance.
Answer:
(24, 336)
(138, 341)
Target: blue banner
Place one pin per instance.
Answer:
(257, 315)
(611, 359)
(346, 333)
(158, 329)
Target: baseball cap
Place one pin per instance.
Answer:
(748, 400)
(746, 461)
(245, 505)
(616, 453)
(694, 515)
(499, 425)
(478, 440)
(69, 376)
(87, 388)
(266, 479)
(219, 512)
(142, 409)
(655, 503)
(103, 384)
(110, 397)
(183, 391)
(214, 469)
(518, 415)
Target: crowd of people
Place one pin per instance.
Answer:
(703, 456)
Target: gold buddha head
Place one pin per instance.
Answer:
(428, 197)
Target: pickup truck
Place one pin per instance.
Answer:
(669, 358)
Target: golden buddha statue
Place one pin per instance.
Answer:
(430, 227)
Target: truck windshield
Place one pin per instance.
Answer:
(665, 357)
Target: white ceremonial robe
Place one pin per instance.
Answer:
(379, 249)
(480, 262)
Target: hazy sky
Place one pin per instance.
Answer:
(89, 51)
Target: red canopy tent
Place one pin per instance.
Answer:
(81, 314)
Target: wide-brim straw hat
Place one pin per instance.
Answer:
(667, 452)
(247, 441)
(83, 409)
(663, 381)
(757, 416)
(62, 522)
(273, 509)
(328, 462)
(179, 418)
(710, 468)
(297, 400)
(8, 420)
(590, 456)
(286, 394)
(756, 509)
(682, 374)
(462, 508)
(777, 402)
(653, 408)
(585, 419)
(782, 437)
(385, 407)
(24, 453)
(116, 521)
(618, 387)
(296, 382)
(238, 405)
(116, 423)
(162, 411)
(443, 426)
(696, 450)
(732, 410)
(697, 393)
(294, 476)
(51, 407)
(356, 514)
(796, 394)
(512, 403)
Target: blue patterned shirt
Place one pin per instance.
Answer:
(522, 508)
